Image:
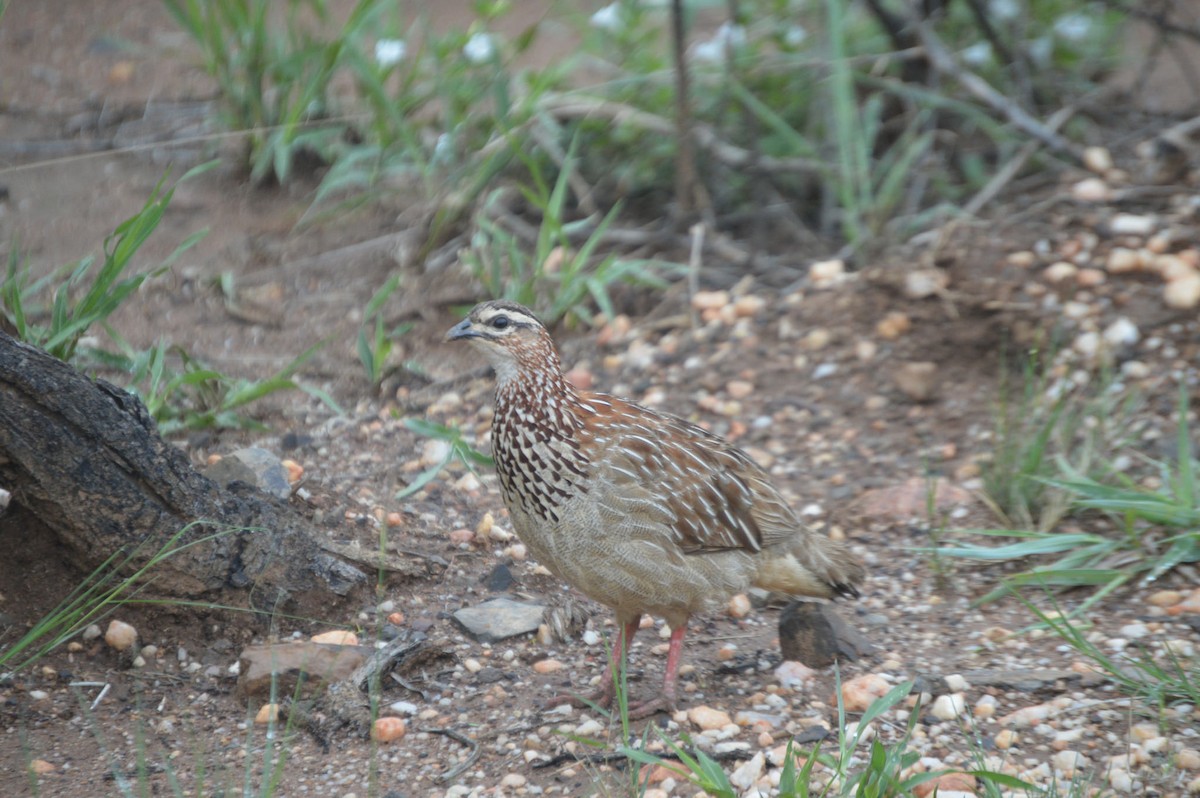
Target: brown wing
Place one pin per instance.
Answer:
(711, 495)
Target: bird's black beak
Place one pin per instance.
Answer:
(461, 330)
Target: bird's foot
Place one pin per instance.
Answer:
(602, 698)
(645, 709)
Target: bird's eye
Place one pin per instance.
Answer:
(500, 322)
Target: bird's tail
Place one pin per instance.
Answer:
(813, 566)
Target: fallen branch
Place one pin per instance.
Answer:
(704, 136)
(941, 58)
(461, 767)
(1015, 164)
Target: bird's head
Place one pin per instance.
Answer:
(510, 337)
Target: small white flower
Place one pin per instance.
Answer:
(795, 36)
(978, 54)
(732, 35)
(443, 149)
(1073, 27)
(1041, 50)
(479, 48)
(713, 51)
(609, 18)
(1004, 10)
(389, 52)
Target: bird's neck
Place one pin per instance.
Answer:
(539, 397)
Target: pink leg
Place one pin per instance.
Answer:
(603, 696)
(666, 701)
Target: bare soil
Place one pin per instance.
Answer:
(825, 415)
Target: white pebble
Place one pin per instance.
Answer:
(1122, 332)
(948, 707)
(1130, 224)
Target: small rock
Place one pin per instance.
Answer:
(1190, 605)
(40, 767)
(500, 579)
(910, 499)
(581, 378)
(1183, 293)
(1172, 267)
(254, 466)
(1120, 780)
(749, 772)
(389, 729)
(739, 389)
(1023, 259)
(1088, 344)
(947, 784)
(1091, 189)
(295, 471)
(1131, 224)
(1027, 716)
(461, 536)
(1090, 278)
(893, 325)
(706, 718)
(865, 350)
(267, 713)
(922, 283)
(1164, 598)
(917, 380)
(827, 273)
(1122, 333)
(1060, 272)
(861, 691)
(1134, 630)
(1068, 762)
(434, 451)
(120, 635)
(956, 683)
(590, 728)
(1097, 159)
(403, 707)
(791, 673)
(38, 695)
(759, 721)
(1123, 261)
(739, 605)
(748, 305)
(1006, 739)
(91, 632)
(710, 300)
(1188, 759)
(499, 618)
(949, 707)
(336, 637)
(281, 665)
(544, 666)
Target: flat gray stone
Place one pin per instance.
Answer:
(499, 619)
(254, 466)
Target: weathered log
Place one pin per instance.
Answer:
(84, 458)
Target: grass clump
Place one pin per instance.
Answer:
(560, 274)
(179, 391)
(1154, 525)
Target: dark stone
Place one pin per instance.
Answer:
(817, 636)
(500, 579)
